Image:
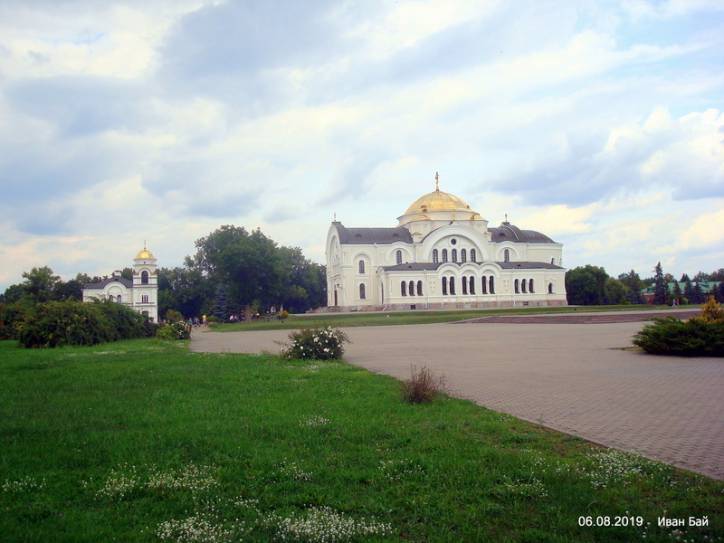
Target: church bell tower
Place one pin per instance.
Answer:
(145, 284)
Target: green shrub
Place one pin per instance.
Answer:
(54, 324)
(11, 315)
(212, 318)
(670, 336)
(149, 328)
(124, 322)
(174, 331)
(283, 315)
(316, 343)
(174, 316)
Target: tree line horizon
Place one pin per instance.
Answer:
(235, 271)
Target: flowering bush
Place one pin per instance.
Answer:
(174, 330)
(316, 344)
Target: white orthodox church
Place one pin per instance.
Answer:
(442, 254)
(140, 294)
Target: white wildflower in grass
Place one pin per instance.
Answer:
(530, 487)
(324, 525)
(246, 503)
(292, 470)
(315, 421)
(197, 528)
(397, 470)
(23, 485)
(616, 467)
(121, 482)
(190, 477)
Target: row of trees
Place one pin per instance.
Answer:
(591, 285)
(232, 270)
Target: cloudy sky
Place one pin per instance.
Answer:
(601, 125)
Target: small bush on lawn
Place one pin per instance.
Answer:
(422, 386)
(316, 344)
(670, 336)
(174, 331)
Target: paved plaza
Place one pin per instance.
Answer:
(576, 378)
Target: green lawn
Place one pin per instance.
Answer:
(416, 317)
(141, 439)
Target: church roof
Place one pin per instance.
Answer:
(510, 232)
(528, 266)
(438, 200)
(101, 284)
(354, 236)
(431, 266)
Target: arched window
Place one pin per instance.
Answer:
(550, 288)
(517, 286)
(463, 255)
(403, 288)
(506, 255)
(491, 285)
(361, 266)
(454, 255)
(472, 284)
(412, 288)
(523, 286)
(473, 256)
(419, 288)
(444, 286)
(485, 285)
(452, 286)
(530, 286)
(144, 298)
(118, 298)
(398, 256)
(362, 293)
(435, 257)
(144, 277)
(465, 284)
(444, 255)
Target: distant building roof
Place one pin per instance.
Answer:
(102, 284)
(706, 286)
(510, 232)
(354, 236)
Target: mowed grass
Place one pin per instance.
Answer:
(416, 317)
(108, 443)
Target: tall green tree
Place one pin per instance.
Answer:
(634, 285)
(660, 289)
(40, 284)
(615, 291)
(688, 290)
(677, 292)
(586, 285)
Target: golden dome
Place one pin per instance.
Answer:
(438, 201)
(144, 254)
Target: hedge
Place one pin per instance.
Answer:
(55, 324)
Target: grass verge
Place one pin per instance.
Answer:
(415, 317)
(145, 441)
